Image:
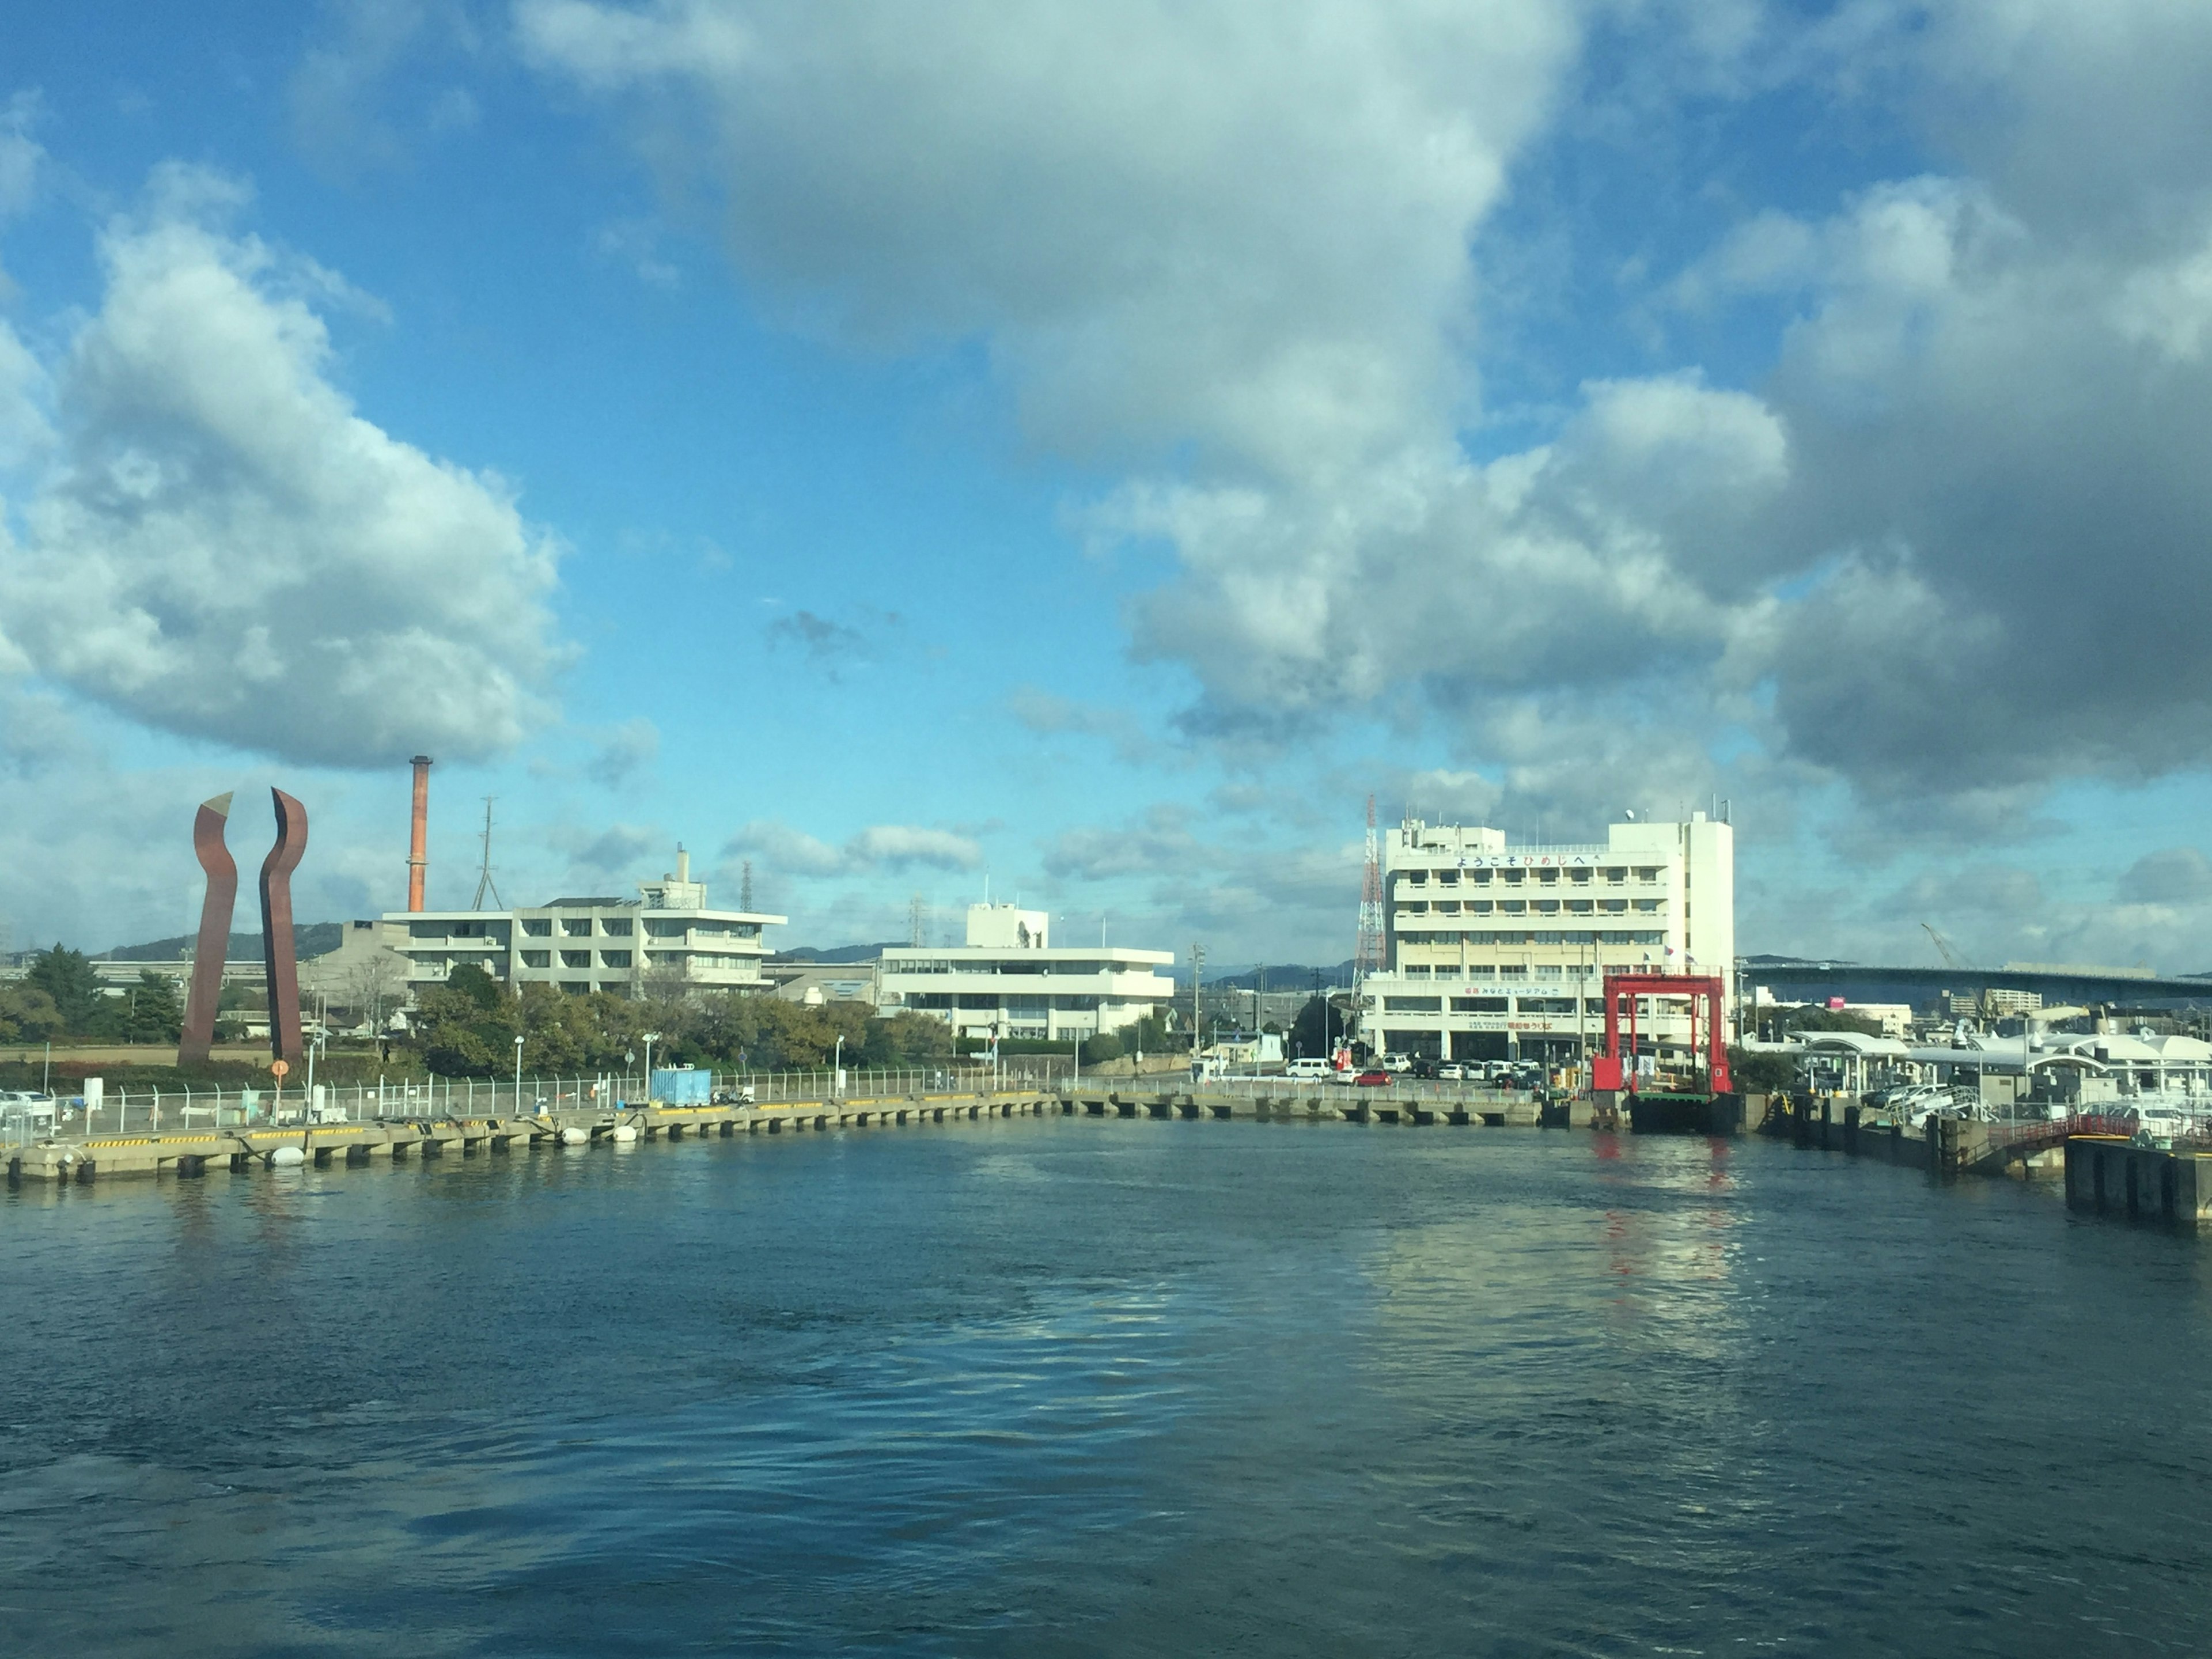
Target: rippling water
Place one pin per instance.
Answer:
(1079, 1387)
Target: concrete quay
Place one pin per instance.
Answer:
(2104, 1174)
(83, 1159)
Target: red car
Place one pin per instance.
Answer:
(1377, 1079)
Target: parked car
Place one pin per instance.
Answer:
(1451, 1072)
(1373, 1079)
(1422, 1068)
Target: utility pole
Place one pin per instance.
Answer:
(745, 887)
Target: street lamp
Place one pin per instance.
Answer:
(840, 1064)
(651, 1037)
(517, 1076)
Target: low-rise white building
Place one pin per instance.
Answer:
(1493, 949)
(1010, 980)
(667, 934)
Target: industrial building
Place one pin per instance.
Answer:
(1494, 950)
(1009, 980)
(667, 935)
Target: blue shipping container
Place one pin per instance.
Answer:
(682, 1085)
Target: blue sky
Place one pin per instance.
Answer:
(1092, 451)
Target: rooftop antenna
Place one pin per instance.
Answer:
(917, 921)
(484, 882)
(745, 886)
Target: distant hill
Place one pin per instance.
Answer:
(314, 939)
(840, 953)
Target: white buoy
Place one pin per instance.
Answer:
(623, 1134)
(573, 1136)
(287, 1157)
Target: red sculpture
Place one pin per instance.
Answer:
(277, 952)
(277, 947)
(214, 947)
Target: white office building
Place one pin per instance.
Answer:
(667, 934)
(1493, 950)
(1010, 981)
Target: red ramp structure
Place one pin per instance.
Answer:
(1695, 1099)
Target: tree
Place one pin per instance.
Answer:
(68, 977)
(28, 1014)
(1316, 1030)
(151, 1011)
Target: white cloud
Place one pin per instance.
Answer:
(1241, 227)
(881, 847)
(225, 548)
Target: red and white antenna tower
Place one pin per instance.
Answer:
(1367, 957)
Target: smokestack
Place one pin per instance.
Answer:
(419, 834)
(682, 863)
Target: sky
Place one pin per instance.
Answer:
(1084, 453)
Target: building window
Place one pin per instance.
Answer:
(538, 958)
(1647, 906)
(576, 926)
(1412, 1004)
(1512, 970)
(1416, 970)
(1550, 970)
(538, 927)
(1615, 876)
(1479, 1005)
(971, 1000)
(614, 958)
(577, 988)
(618, 926)
(1480, 969)
(576, 958)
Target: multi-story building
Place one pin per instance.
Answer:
(1010, 980)
(667, 935)
(1494, 950)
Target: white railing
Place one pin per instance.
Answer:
(123, 1112)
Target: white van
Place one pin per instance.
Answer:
(1309, 1069)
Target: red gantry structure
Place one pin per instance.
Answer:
(1705, 1104)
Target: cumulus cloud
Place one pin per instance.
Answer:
(1240, 227)
(223, 548)
(1242, 251)
(881, 847)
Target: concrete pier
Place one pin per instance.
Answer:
(2107, 1176)
(190, 1154)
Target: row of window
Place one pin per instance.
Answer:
(1490, 1005)
(1547, 876)
(1583, 938)
(1029, 1007)
(1573, 906)
(925, 965)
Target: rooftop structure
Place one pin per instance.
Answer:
(1010, 980)
(667, 934)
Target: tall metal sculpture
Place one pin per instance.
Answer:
(214, 947)
(277, 949)
(278, 954)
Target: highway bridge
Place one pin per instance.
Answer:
(1794, 980)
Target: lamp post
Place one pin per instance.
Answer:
(517, 1076)
(839, 1064)
(651, 1037)
(629, 1059)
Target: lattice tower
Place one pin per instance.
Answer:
(1367, 956)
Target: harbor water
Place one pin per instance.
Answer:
(1095, 1386)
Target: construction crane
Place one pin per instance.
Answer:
(1943, 949)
